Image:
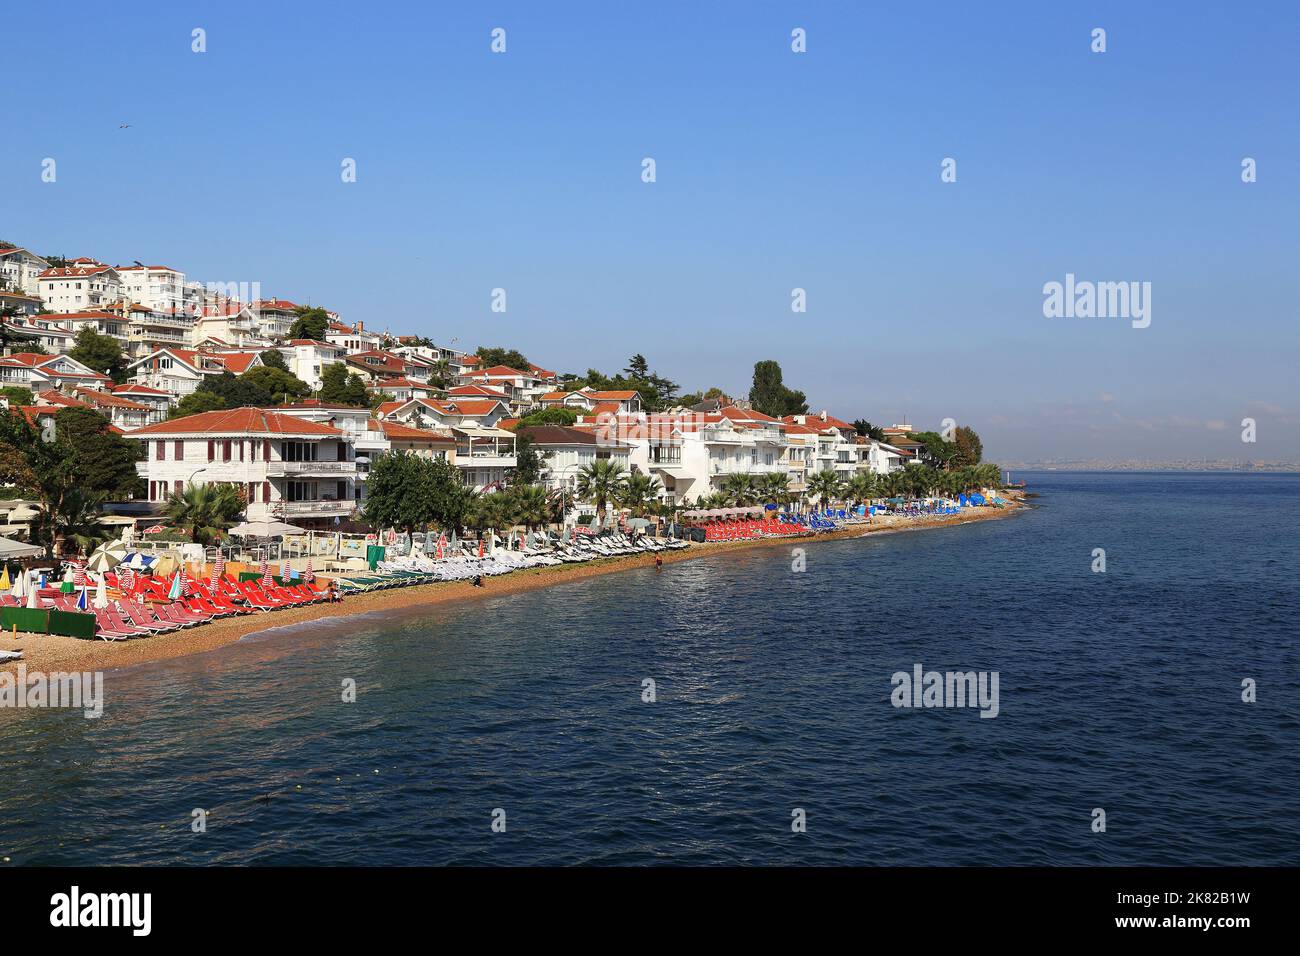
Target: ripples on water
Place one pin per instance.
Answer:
(1118, 690)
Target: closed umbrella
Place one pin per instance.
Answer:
(101, 593)
(176, 590)
(33, 597)
(5, 584)
(308, 573)
(218, 569)
(126, 580)
(266, 572)
(284, 570)
(19, 585)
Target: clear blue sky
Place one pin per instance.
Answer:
(775, 170)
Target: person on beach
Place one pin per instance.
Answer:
(478, 580)
(329, 590)
(659, 562)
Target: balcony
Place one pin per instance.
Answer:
(322, 509)
(484, 460)
(339, 469)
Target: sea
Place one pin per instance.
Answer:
(745, 708)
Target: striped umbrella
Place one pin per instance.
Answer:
(266, 572)
(126, 581)
(186, 587)
(78, 576)
(218, 569)
(107, 556)
(284, 570)
(308, 574)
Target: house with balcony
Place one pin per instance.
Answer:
(178, 371)
(120, 411)
(524, 389)
(19, 304)
(160, 289)
(82, 285)
(565, 451)
(156, 400)
(836, 446)
(353, 339)
(308, 358)
(42, 373)
(111, 324)
(19, 271)
(274, 317)
(594, 401)
(287, 467)
(229, 323)
(44, 330)
(484, 453)
(378, 366)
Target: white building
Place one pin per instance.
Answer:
(566, 451)
(288, 468)
(352, 338)
(160, 288)
(82, 285)
(178, 372)
(42, 373)
(308, 358)
(19, 270)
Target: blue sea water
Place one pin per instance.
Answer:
(1119, 690)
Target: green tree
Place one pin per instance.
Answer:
(868, 430)
(739, 490)
(970, 450)
(99, 352)
(532, 506)
(272, 358)
(824, 486)
(411, 492)
(102, 460)
(528, 462)
(490, 356)
(195, 403)
(311, 323)
(205, 511)
(600, 482)
(639, 492)
(258, 387)
(770, 395)
(339, 386)
(555, 415)
(17, 395)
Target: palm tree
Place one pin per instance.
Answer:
(860, 488)
(600, 482)
(825, 485)
(532, 507)
(76, 521)
(738, 489)
(774, 487)
(639, 492)
(204, 510)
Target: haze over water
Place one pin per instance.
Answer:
(1119, 690)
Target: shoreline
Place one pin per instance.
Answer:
(45, 652)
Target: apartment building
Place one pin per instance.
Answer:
(288, 468)
(352, 338)
(19, 271)
(178, 372)
(308, 358)
(566, 451)
(160, 288)
(82, 285)
(42, 373)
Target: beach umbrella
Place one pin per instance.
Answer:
(19, 585)
(107, 556)
(126, 580)
(480, 547)
(308, 573)
(33, 598)
(78, 576)
(174, 592)
(218, 569)
(266, 572)
(155, 529)
(82, 603)
(5, 583)
(442, 543)
(101, 593)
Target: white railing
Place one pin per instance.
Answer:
(317, 507)
(311, 467)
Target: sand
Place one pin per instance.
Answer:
(45, 652)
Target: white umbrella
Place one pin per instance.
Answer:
(265, 529)
(19, 592)
(10, 548)
(33, 596)
(101, 593)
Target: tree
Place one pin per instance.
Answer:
(99, 352)
(12, 340)
(769, 394)
(340, 386)
(970, 450)
(738, 489)
(311, 323)
(555, 415)
(825, 486)
(17, 395)
(408, 491)
(490, 356)
(272, 358)
(531, 505)
(937, 449)
(656, 391)
(102, 460)
(639, 492)
(600, 482)
(195, 403)
(76, 522)
(528, 462)
(861, 488)
(774, 488)
(868, 430)
(259, 387)
(638, 367)
(205, 511)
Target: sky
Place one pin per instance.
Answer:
(774, 171)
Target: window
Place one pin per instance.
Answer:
(212, 451)
(178, 450)
(160, 450)
(225, 450)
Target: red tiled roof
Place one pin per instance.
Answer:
(396, 430)
(237, 421)
(108, 399)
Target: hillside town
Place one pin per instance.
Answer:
(293, 412)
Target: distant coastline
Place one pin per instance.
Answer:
(1189, 465)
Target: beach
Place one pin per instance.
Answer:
(45, 652)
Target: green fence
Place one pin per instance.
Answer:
(48, 621)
